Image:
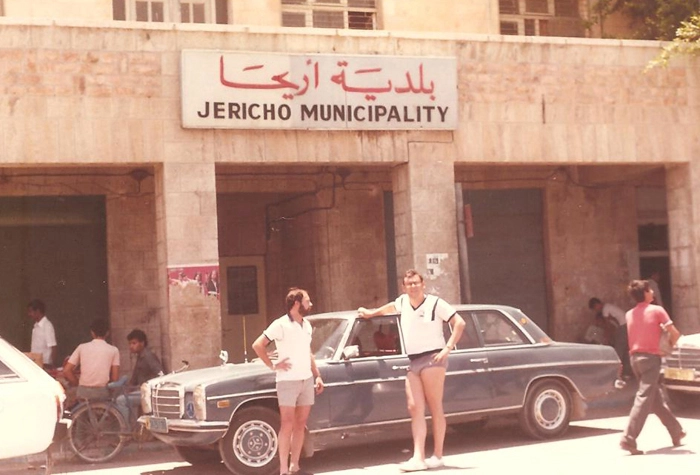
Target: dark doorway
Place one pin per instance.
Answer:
(506, 251)
(54, 249)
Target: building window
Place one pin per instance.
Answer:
(508, 6)
(341, 14)
(566, 8)
(509, 27)
(189, 11)
(541, 18)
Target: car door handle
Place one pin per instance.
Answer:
(479, 360)
(396, 368)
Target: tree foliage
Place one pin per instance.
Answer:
(649, 19)
(687, 41)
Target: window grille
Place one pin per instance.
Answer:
(184, 11)
(509, 27)
(566, 8)
(343, 14)
(537, 6)
(508, 6)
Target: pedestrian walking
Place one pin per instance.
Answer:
(296, 374)
(644, 326)
(422, 318)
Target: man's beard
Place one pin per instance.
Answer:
(303, 311)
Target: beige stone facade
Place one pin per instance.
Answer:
(83, 106)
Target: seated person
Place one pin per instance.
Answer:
(385, 342)
(147, 367)
(98, 361)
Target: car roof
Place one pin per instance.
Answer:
(352, 314)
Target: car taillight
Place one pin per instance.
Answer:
(59, 397)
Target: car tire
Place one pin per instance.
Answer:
(547, 410)
(198, 456)
(250, 444)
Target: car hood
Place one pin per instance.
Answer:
(228, 372)
(689, 341)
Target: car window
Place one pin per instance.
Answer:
(377, 336)
(6, 373)
(497, 329)
(469, 338)
(326, 335)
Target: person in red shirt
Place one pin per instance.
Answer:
(644, 327)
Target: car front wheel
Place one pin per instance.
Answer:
(547, 410)
(250, 445)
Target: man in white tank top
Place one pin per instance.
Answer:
(422, 317)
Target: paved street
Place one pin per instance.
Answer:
(590, 446)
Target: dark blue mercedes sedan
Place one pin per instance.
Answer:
(504, 364)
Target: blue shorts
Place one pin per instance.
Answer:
(424, 361)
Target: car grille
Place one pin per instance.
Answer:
(684, 358)
(167, 401)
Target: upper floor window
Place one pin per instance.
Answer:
(540, 17)
(348, 14)
(175, 11)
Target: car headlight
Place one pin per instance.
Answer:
(199, 397)
(146, 405)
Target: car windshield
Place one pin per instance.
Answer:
(326, 336)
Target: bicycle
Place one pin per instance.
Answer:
(99, 431)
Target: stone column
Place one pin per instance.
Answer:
(684, 233)
(187, 232)
(425, 220)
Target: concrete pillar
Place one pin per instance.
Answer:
(187, 232)
(425, 220)
(683, 202)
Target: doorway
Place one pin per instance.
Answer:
(54, 249)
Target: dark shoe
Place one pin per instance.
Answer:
(630, 447)
(678, 440)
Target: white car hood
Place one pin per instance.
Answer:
(689, 341)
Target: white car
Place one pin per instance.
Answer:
(682, 372)
(31, 404)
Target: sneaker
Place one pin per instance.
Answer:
(434, 462)
(678, 440)
(630, 447)
(413, 465)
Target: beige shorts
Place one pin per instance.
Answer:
(295, 393)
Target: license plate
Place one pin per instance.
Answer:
(157, 424)
(679, 374)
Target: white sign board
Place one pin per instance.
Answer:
(317, 91)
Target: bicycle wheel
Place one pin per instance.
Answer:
(97, 433)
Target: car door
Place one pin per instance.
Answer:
(369, 386)
(513, 358)
(468, 384)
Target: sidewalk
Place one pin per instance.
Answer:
(61, 453)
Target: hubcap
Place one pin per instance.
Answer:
(255, 443)
(550, 409)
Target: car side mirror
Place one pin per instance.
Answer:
(352, 351)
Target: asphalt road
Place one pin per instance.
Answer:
(589, 447)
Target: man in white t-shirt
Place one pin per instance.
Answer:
(422, 318)
(98, 361)
(297, 376)
(614, 315)
(43, 334)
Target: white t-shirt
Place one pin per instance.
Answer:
(293, 341)
(96, 360)
(422, 326)
(610, 310)
(43, 339)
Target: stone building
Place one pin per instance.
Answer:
(152, 173)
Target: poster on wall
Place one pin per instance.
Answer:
(234, 90)
(434, 265)
(197, 280)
